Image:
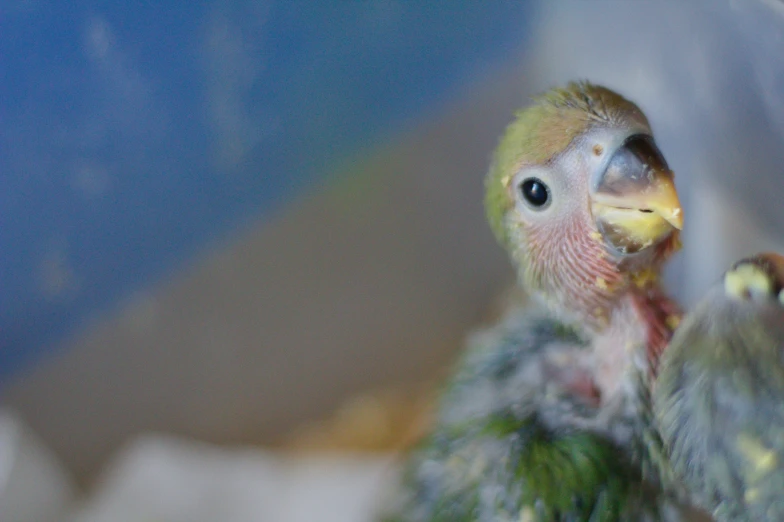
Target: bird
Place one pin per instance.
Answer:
(547, 414)
(719, 398)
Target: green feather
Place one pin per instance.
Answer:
(498, 459)
(569, 474)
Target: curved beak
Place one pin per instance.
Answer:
(634, 200)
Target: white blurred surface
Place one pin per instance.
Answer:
(33, 485)
(174, 480)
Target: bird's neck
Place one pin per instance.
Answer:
(634, 338)
(617, 302)
(660, 316)
(580, 281)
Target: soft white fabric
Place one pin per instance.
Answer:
(164, 479)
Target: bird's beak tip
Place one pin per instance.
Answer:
(665, 203)
(640, 216)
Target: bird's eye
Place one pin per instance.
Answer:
(535, 193)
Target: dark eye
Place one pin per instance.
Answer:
(535, 192)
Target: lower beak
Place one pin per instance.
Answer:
(638, 213)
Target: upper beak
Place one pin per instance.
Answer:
(634, 200)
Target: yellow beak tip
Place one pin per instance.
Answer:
(677, 219)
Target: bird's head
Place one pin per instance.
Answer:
(582, 198)
(759, 278)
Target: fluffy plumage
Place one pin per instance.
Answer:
(719, 400)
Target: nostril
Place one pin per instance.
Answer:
(646, 210)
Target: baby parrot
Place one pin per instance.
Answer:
(719, 399)
(548, 415)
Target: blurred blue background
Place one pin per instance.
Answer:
(135, 135)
